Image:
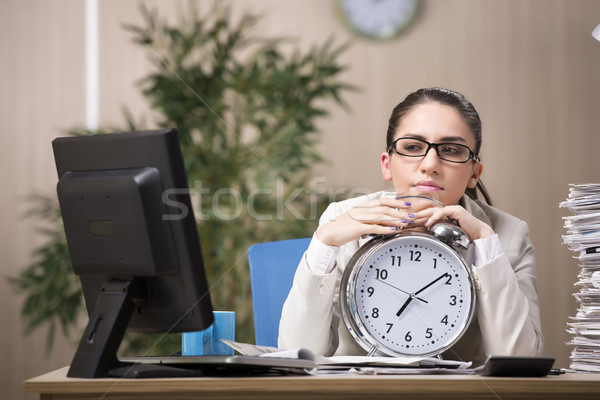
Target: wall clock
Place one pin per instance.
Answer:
(409, 294)
(378, 19)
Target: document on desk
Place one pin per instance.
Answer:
(358, 364)
(391, 362)
(391, 366)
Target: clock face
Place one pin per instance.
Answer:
(379, 19)
(410, 295)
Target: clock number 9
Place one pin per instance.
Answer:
(370, 290)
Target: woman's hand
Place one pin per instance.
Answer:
(381, 217)
(475, 228)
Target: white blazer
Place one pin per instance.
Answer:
(506, 322)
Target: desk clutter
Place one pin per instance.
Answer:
(367, 365)
(583, 238)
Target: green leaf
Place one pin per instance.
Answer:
(246, 109)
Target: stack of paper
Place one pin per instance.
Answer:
(583, 237)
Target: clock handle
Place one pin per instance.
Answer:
(448, 232)
(452, 235)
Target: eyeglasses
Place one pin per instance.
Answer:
(453, 152)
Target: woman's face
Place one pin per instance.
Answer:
(431, 176)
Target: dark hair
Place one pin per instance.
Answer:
(449, 98)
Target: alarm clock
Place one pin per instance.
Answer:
(409, 294)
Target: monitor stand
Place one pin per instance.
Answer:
(96, 355)
(97, 350)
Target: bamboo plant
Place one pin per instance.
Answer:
(245, 108)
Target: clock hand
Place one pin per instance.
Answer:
(406, 303)
(403, 291)
(432, 282)
(414, 295)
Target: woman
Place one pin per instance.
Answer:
(433, 142)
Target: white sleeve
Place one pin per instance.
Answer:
(307, 317)
(486, 250)
(320, 258)
(508, 310)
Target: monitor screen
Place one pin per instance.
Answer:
(132, 239)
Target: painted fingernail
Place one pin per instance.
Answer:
(407, 203)
(394, 228)
(403, 221)
(411, 215)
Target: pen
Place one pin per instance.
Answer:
(556, 371)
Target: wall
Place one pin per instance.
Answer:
(530, 67)
(41, 94)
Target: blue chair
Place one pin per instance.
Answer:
(272, 269)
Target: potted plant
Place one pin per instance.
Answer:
(246, 113)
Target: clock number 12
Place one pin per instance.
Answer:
(415, 256)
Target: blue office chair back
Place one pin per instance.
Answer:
(272, 269)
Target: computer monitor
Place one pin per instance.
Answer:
(132, 239)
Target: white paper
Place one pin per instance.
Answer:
(347, 363)
(583, 238)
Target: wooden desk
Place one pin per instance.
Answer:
(55, 385)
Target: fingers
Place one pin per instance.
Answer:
(390, 212)
(394, 203)
(386, 212)
(381, 217)
(475, 228)
(433, 215)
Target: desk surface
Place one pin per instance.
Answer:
(56, 385)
